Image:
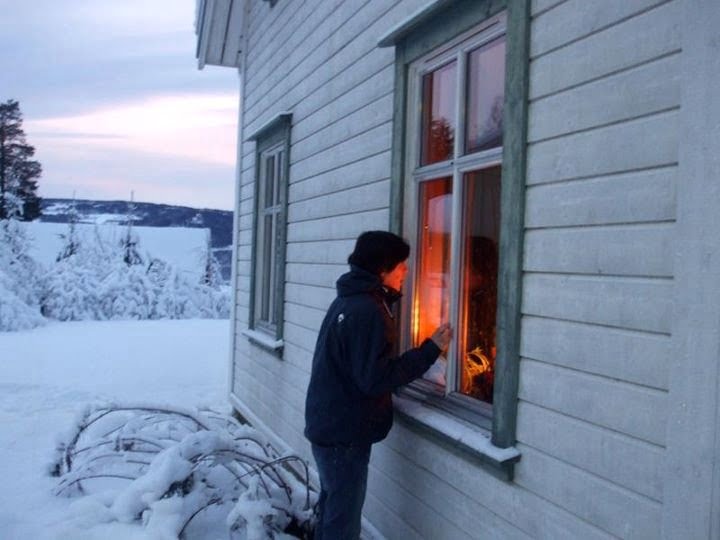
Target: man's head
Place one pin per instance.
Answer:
(383, 254)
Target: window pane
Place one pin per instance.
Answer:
(438, 114)
(481, 233)
(431, 304)
(486, 92)
(267, 267)
(273, 282)
(278, 175)
(269, 182)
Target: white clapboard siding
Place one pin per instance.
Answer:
(538, 6)
(645, 37)
(614, 509)
(637, 357)
(299, 343)
(338, 227)
(319, 275)
(309, 295)
(321, 251)
(308, 30)
(576, 19)
(264, 47)
(373, 141)
(333, 112)
(326, 72)
(384, 519)
(413, 494)
(365, 171)
(620, 406)
(641, 91)
(632, 303)
(305, 316)
(261, 17)
(606, 150)
(602, 250)
(281, 378)
(530, 513)
(640, 196)
(635, 465)
(405, 486)
(375, 113)
(349, 201)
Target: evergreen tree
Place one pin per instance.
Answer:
(18, 171)
(212, 275)
(130, 241)
(71, 241)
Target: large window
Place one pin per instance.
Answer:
(459, 158)
(454, 175)
(268, 278)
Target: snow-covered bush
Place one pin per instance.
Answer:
(20, 280)
(166, 467)
(72, 292)
(92, 279)
(15, 313)
(126, 293)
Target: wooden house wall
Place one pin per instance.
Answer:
(598, 259)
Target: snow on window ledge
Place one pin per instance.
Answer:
(459, 434)
(263, 340)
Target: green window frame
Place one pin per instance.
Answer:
(444, 24)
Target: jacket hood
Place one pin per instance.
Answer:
(360, 281)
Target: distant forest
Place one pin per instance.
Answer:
(146, 214)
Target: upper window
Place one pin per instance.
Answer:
(268, 276)
(453, 204)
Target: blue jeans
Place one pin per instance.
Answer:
(343, 474)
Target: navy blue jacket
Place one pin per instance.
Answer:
(354, 370)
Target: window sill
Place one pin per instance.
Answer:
(457, 434)
(265, 341)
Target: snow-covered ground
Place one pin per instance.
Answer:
(49, 373)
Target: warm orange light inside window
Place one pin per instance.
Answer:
(431, 304)
(481, 232)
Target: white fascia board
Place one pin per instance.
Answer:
(219, 27)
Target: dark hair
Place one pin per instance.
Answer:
(379, 251)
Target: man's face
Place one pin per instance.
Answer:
(395, 277)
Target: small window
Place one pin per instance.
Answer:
(268, 275)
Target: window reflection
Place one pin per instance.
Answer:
(481, 232)
(486, 90)
(438, 114)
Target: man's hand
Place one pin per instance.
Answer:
(442, 336)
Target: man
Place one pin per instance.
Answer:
(349, 404)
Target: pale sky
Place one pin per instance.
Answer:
(113, 101)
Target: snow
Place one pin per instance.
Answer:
(184, 248)
(464, 434)
(49, 375)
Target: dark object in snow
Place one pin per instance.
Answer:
(197, 460)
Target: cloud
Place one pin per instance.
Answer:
(200, 127)
(113, 100)
(101, 173)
